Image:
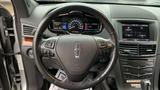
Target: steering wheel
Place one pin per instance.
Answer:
(76, 53)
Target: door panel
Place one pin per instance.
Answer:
(8, 65)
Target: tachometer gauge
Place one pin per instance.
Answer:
(75, 24)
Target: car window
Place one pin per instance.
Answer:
(8, 5)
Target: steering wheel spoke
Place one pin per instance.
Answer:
(86, 80)
(103, 43)
(47, 47)
(48, 53)
(105, 46)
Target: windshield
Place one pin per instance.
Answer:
(139, 2)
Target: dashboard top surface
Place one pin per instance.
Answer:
(111, 12)
(114, 13)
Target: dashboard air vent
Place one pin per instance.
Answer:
(147, 49)
(128, 49)
(137, 49)
(28, 30)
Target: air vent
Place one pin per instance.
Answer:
(137, 49)
(28, 30)
(147, 49)
(128, 49)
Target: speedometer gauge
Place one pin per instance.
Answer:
(75, 24)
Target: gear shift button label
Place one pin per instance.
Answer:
(136, 85)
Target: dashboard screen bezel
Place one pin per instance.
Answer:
(135, 30)
(153, 27)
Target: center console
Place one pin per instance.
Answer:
(137, 50)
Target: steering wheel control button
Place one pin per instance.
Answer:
(47, 52)
(104, 43)
(50, 44)
(51, 53)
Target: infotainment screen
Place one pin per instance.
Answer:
(135, 31)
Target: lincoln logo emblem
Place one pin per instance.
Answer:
(77, 50)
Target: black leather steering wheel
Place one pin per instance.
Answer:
(75, 53)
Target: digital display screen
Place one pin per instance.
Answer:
(91, 26)
(60, 25)
(135, 31)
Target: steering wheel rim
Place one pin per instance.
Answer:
(42, 26)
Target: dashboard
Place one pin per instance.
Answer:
(75, 22)
(138, 33)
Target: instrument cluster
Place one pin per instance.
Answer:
(75, 22)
